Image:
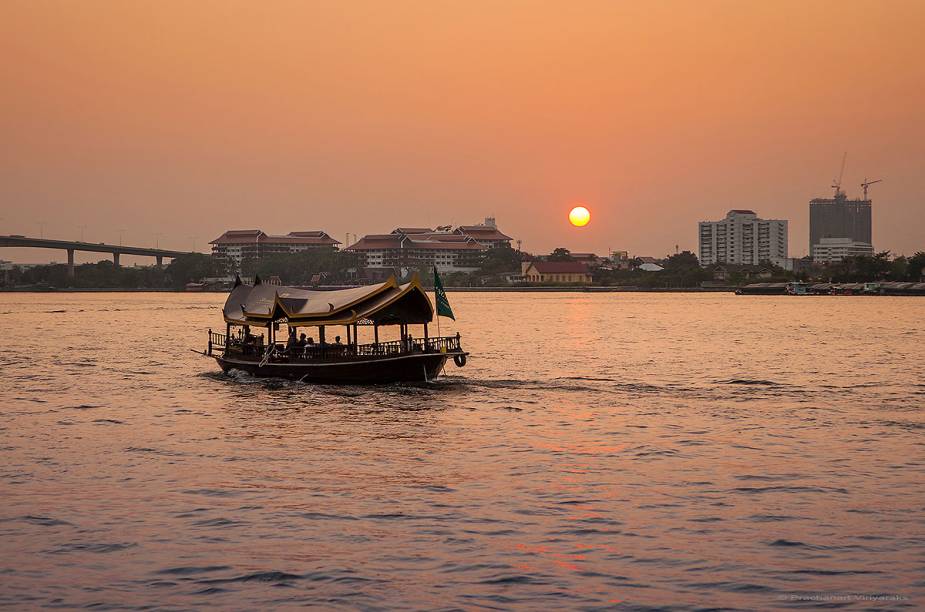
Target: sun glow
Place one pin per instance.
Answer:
(579, 216)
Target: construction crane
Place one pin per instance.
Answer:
(836, 183)
(867, 184)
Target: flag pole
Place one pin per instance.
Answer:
(436, 309)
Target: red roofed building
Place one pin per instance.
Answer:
(235, 246)
(412, 230)
(568, 272)
(450, 250)
(486, 233)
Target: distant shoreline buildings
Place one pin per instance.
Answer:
(449, 249)
(832, 250)
(742, 238)
(234, 246)
(560, 272)
(839, 228)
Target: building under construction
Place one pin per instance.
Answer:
(841, 222)
(839, 217)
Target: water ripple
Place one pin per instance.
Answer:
(600, 451)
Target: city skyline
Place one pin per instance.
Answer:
(196, 244)
(162, 123)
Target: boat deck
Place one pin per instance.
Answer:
(320, 353)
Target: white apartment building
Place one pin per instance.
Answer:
(743, 238)
(830, 250)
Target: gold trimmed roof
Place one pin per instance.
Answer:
(386, 303)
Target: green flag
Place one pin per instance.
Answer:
(443, 304)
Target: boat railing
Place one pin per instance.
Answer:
(334, 352)
(216, 340)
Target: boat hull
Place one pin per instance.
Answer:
(418, 367)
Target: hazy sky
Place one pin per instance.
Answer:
(185, 118)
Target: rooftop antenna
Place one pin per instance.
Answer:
(836, 183)
(867, 184)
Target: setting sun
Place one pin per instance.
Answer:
(579, 216)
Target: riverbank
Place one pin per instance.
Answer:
(627, 289)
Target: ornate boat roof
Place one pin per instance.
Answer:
(386, 303)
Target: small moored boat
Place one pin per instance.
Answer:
(255, 314)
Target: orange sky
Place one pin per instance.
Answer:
(187, 118)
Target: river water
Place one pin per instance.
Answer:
(625, 451)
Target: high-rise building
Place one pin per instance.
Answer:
(743, 238)
(839, 217)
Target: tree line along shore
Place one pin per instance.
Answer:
(498, 270)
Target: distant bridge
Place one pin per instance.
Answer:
(71, 246)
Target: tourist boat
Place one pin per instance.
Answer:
(255, 314)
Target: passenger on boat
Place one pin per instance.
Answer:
(337, 340)
(293, 342)
(248, 341)
(308, 346)
(302, 342)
